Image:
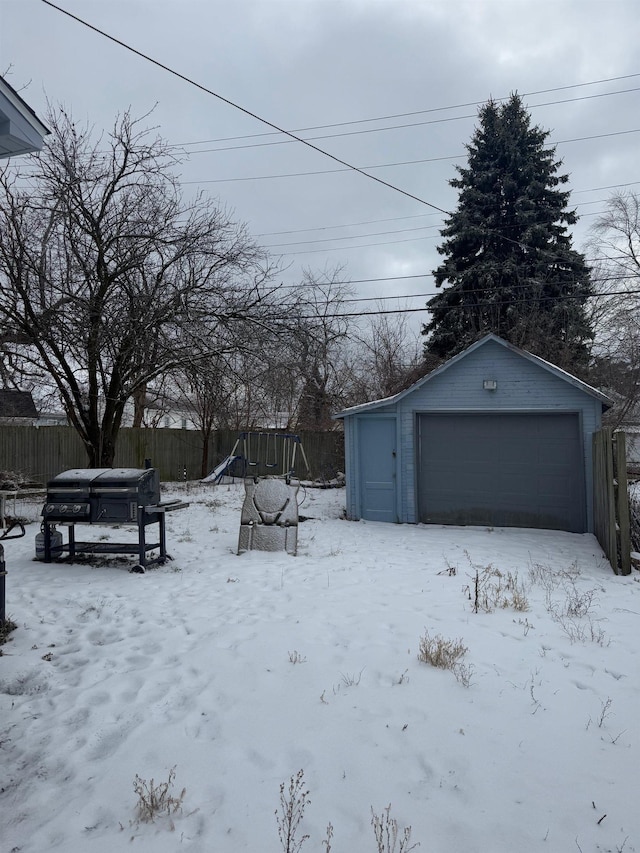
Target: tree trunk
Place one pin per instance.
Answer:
(204, 467)
(139, 405)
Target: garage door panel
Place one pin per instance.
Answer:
(512, 470)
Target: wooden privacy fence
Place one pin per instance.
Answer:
(42, 452)
(611, 498)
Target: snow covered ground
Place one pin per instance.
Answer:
(242, 671)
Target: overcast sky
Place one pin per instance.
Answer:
(397, 80)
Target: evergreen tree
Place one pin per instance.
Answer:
(508, 258)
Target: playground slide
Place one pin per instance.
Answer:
(220, 469)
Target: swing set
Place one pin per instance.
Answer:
(262, 454)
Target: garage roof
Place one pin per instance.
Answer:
(546, 365)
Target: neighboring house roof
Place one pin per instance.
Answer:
(546, 365)
(21, 131)
(17, 404)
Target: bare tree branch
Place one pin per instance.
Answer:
(106, 271)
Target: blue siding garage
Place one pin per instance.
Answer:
(495, 436)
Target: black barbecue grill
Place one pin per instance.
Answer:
(107, 496)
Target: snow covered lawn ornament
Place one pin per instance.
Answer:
(269, 520)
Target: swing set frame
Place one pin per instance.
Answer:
(269, 453)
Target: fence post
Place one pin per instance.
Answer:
(622, 504)
(603, 495)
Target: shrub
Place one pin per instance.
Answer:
(386, 831)
(575, 613)
(493, 589)
(440, 652)
(293, 802)
(6, 627)
(155, 799)
(445, 654)
(12, 481)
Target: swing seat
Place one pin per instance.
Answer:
(269, 519)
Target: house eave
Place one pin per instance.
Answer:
(21, 131)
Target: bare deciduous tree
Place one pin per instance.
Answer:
(388, 357)
(616, 309)
(317, 342)
(105, 270)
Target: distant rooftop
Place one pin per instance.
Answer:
(17, 404)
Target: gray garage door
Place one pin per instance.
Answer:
(503, 470)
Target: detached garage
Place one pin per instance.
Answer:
(495, 437)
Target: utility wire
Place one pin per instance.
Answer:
(497, 289)
(485, 290)
(348, 166)
(533, 300)
(301, 285)
(419, 215)
(437, 109)
(402, 231)
(231, 103)
(389, 165)
(391, 126)
(547, 252)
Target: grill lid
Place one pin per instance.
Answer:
(107, 495)
(81, 476)
(96, 476)
(122, 476)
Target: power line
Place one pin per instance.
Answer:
(354, 237)
(610, 187)
(430, 275)
(496, 233)
(361, 246)
(344, 225)
(398, 231)
(387, 165)
(348, 166)
(492, 304)
(597, 136)
(437, 109)
(393, 126)
(486, 290)
(495, 268)
(328, 135)
(230, 103)
(293, 136)
(422, 215)
(327, 172)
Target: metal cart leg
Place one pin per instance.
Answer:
(163, 537)
(47, 543)
(3, 575)
(72, 541)
(142, 544)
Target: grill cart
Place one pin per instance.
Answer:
(106, 496)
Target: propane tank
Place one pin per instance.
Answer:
(56, 543)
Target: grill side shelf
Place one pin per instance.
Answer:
(167, 506)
